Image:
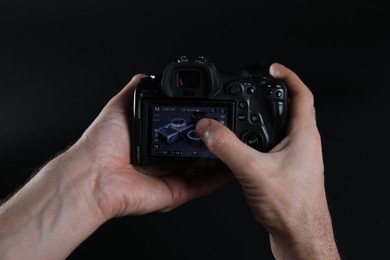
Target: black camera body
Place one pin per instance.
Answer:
(167, 107)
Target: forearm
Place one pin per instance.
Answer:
(318, 248)
(311, 238)
(48, 217)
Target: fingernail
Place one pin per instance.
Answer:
(202, 126)
(275, 69)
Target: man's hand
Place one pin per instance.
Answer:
(284, 187)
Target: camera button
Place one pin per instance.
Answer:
(250, 90)
(242, 105)
(255, 118)
(279, 93)
(270, 92)
(234, 90)
(242, 117)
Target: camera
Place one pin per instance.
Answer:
(168, 105)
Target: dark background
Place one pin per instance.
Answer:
(61, 61)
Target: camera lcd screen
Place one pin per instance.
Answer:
(173, 128)
(188, 79)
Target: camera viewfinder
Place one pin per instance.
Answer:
(188, 79)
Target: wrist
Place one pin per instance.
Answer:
(77, 177)
(310, 238)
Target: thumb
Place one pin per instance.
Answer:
(224, 144)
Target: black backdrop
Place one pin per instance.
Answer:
(61, 61)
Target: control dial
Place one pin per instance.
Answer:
(253, 137)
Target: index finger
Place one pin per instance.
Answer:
(302, 112)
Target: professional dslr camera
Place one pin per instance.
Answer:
(167, 107)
